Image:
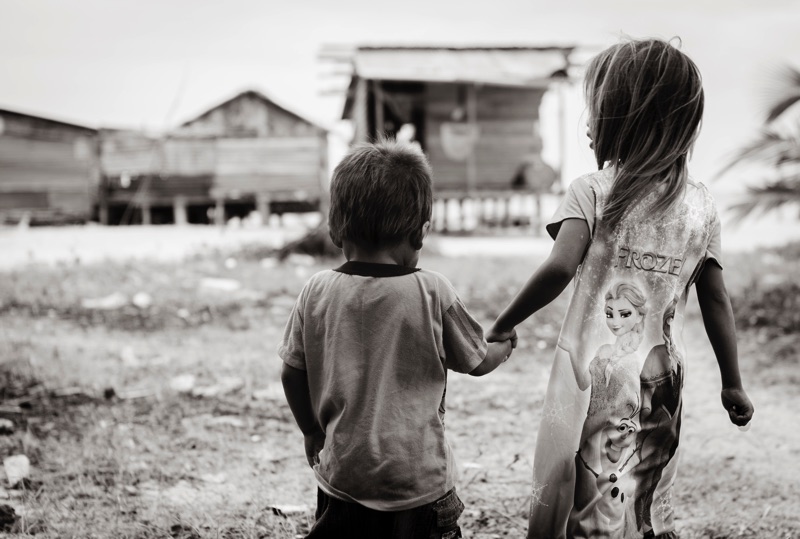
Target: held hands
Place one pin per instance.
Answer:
(495, 335)
(314, 443)
(740, 409)
(497, 353)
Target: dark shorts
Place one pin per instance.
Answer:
(339, 519)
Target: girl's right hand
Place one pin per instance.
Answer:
(494, 335)
(736, 402)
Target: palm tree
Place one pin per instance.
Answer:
(777, 147)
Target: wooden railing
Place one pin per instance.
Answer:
(464, 212)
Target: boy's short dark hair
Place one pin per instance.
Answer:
(381, 195)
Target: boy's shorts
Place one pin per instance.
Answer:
(436, 520)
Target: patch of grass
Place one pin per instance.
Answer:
(162, 465)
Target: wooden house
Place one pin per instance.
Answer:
(48, 169)
(473, 110)
(245, 154)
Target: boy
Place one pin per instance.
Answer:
(366, 351)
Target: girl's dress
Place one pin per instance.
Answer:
(606, 452)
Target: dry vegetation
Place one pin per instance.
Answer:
(167, 419)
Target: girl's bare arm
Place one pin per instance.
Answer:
(715, 306)
(548, 281)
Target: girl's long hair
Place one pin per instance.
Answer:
(645, 100)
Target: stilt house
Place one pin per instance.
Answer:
(245, 154)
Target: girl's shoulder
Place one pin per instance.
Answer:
(698, 196)
(694, 185)
(593, 180)
(597, 183)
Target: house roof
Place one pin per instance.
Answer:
(59, 123)
(508, 66)
(512, 66)
(258, 95)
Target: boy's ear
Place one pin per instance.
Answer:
(416, 239)
(337, 241)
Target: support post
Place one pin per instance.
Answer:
(103, 212)
(562, 132)
(377, 92)
(219, 212)
(472, 119)
(180, 215)
(262, 205)
(360, 112)
(147, 216)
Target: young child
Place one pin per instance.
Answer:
(366, 353)
(636, 235)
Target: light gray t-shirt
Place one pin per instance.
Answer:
(376, 341)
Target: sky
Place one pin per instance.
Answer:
(152, 64)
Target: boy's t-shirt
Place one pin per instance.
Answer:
(607, 449)
(376, 341)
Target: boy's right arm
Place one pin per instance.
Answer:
(496, 353)
(548, 281)
(295, 386)
(715, 306)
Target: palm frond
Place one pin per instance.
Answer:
(789, 93)
(767, 197)
(772, 148)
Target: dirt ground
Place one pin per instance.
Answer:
(166, 418)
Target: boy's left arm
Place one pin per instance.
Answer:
(715, 306)
(295, 386)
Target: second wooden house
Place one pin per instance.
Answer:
(245, 154)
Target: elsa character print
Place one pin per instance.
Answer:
(608, 437)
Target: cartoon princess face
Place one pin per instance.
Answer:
(621, 316)
(625, 309)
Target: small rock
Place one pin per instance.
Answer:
(255, 438)
(225, 386)
(216, 478)
(6, 427)
(183, 383)
(17, 467)
(227, 420)
(143, 300)
(268, 263)
(472, 465)
(113, 301)
(218, 284)
(230, 263)
(285, 510)
(128, 357)
(130, 490)
(183, 313)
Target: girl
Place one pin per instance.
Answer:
(638, 219)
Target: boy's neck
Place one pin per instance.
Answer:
(400, 255)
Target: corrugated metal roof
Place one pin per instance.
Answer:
(508, 66)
